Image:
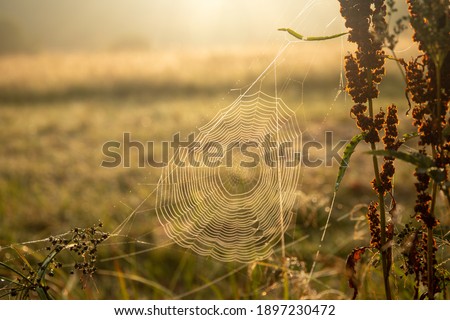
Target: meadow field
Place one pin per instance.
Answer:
(58, 109)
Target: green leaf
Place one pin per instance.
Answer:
(420, 160)
(408, 136)
(302, 37)
(43, 293)
(446, 131)
(437, 174)
(349, 149)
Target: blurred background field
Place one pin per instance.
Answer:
(60, 101)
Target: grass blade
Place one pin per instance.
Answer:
(420, 160)
(21, 275)
(133, 277)
(349, 149)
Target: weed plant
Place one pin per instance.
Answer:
(428, 86)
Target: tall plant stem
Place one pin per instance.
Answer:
(384, 255)
(286, 294)
(430, 238)
(430, 245)
(381, 200)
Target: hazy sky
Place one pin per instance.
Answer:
(74, 24)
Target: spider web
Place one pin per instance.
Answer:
(233, 212)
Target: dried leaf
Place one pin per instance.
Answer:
(350, 267)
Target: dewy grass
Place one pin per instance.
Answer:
(82, 193)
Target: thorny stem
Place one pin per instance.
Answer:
(384, 256)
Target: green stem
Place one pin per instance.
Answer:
(286, 295)
(41, 288)
(384, 255)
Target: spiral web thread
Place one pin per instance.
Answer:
(232, 212)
